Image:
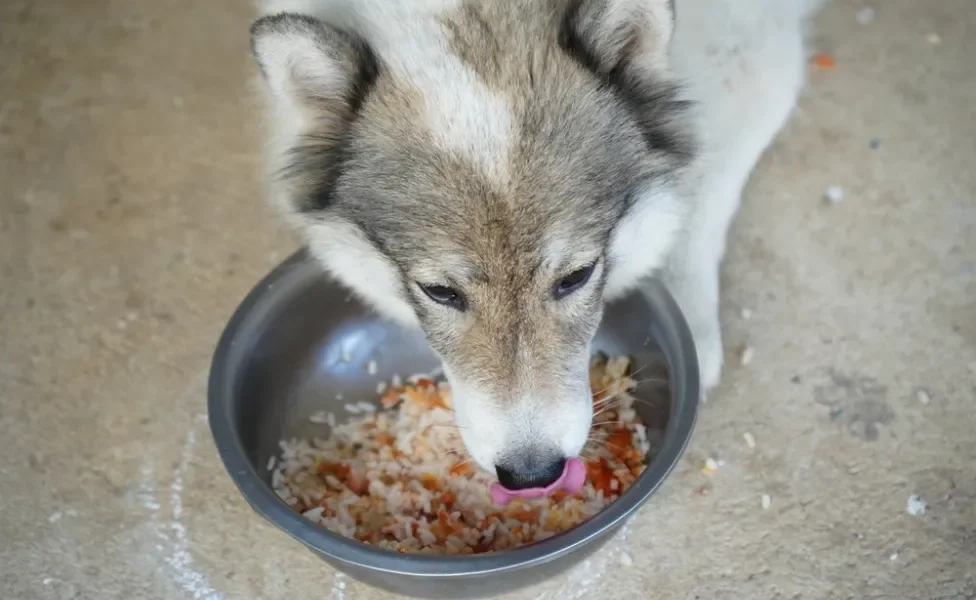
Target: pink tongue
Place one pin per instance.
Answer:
(572, 479)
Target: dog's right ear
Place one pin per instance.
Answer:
(305, 61)
(317, 78)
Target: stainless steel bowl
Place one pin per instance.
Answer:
(299, 343)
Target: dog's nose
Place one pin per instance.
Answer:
(526, 474)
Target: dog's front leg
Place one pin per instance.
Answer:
(744, 90)
(692, 273)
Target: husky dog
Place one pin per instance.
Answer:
(494, 171)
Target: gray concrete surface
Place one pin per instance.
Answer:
(131, 225)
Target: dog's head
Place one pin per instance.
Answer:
(492, 172)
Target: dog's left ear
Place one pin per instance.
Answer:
(619, 35)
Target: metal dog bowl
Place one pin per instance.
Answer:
(299, 344)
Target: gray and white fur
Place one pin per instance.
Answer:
(494, 171)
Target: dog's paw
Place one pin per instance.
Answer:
(708, 342)
(696, 292)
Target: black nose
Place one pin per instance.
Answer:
(524, 474)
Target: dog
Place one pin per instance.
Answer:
(495, 171)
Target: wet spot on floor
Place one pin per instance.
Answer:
(135, 300)
(856, 402)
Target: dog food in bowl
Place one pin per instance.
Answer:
(399, 478)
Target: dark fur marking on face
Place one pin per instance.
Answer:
(562, 130)
(336, 155)
(653, 105)
(479, 46)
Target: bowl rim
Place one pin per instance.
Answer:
(668, 328)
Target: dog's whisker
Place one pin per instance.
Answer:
(633, 378)
(639, 382)
(652, 403)
(602, 452)
(609, 400)
(608, 406)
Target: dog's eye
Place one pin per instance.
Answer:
(442, 294)
(573, 281)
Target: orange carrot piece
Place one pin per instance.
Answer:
(338, 470)
(391, 397)
(619, 441)
(462, 469)
(599, 475)
(430, 481)
(823, 60)
(357, 482)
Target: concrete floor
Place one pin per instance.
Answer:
(131, 225)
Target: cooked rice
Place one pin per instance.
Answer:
(400, 478)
